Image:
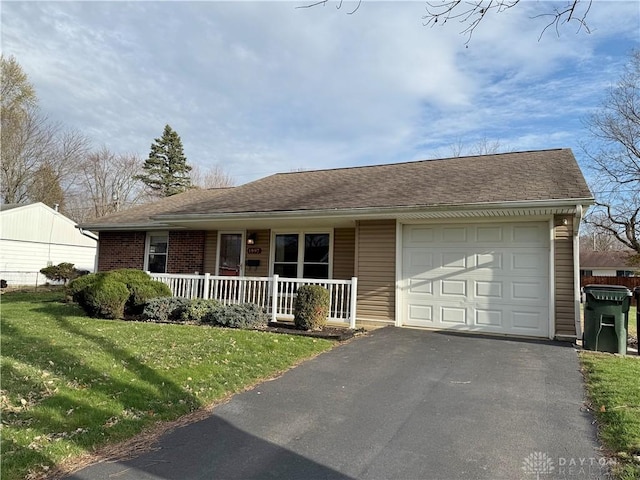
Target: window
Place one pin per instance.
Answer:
(157, 249)
(310, 261)
(624, 273)
(586, 273)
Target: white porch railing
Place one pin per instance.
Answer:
(276, 295)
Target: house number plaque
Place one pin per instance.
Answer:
(254, 250)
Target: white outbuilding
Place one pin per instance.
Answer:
(34, 236)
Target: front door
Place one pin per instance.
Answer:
(230, 259)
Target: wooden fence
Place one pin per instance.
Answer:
(629, 282)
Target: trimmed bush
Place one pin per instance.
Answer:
(62, 272)
(246, 315)
(200, 311)
(165, 309)
(138, 284)
(142, 292)
(311, 307)
(75, 289)
(106, 297)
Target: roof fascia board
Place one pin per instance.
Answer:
(372, 211)
(127, 227)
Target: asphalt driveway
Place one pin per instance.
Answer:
(395, 404)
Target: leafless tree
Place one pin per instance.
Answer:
(484, 146)
(592, 239)
(213, 177)
(615, 159)
(106, 183)
(33, 148)
(470, 13)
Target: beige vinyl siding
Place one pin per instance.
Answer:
(376, 271)
(210, 251)
(263, 237)
(564, 273)
(344, 252)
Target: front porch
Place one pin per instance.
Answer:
(275, 294)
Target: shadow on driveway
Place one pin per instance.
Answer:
(394, 404)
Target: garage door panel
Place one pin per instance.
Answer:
(522, 291)
(420, 286)
(421, 315)
(421, 235)
(530, 235)
(454, 234)
(453, 260)
(490, 260)
(457, 288)
(489, 318)
(418, 259)
(527, 263)
(489, 289)
(490, 234)
(526, 320)
(491, 277)
(453, 315)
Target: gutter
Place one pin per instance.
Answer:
(369, 211)
(90, 235)
(177, 221)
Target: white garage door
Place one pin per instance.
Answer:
(490, 278)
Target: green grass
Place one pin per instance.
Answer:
(71, 384)
(613, 384)
(632, 322)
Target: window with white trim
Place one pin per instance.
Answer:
(302, 255)
(157, 248)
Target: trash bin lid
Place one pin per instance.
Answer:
(607, 292)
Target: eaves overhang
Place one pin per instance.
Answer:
(540, 208)
(416, 212)
(103, 227)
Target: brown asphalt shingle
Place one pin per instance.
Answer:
(521, 176)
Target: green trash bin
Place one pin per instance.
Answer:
(606, 318)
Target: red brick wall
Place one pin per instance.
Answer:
(186, 251)
(121, 250)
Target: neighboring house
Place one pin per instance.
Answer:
(33, 236)
(484, 244)
(607, 264)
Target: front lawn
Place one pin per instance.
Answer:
(71, 384)
(613, 385)
(633, 322)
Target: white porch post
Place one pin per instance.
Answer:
(354, 295)
(274, 298)
(205, 286)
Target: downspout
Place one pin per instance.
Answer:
(576, 269)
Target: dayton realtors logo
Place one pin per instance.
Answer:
(538, 463)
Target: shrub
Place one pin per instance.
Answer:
(165, 309)
(199, 310)
(106, 297)
(141, 293)
(245, 315)
(61, 272)
(130, 276)
(140, 289)
(311, 307)
(76, 287)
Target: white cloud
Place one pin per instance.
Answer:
(260, 87)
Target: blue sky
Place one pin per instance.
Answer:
(264, 87)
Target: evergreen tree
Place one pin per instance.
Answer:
(166, 171)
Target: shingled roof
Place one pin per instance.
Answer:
(617, 260)
(507, 177)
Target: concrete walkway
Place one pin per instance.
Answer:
(395, 404)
